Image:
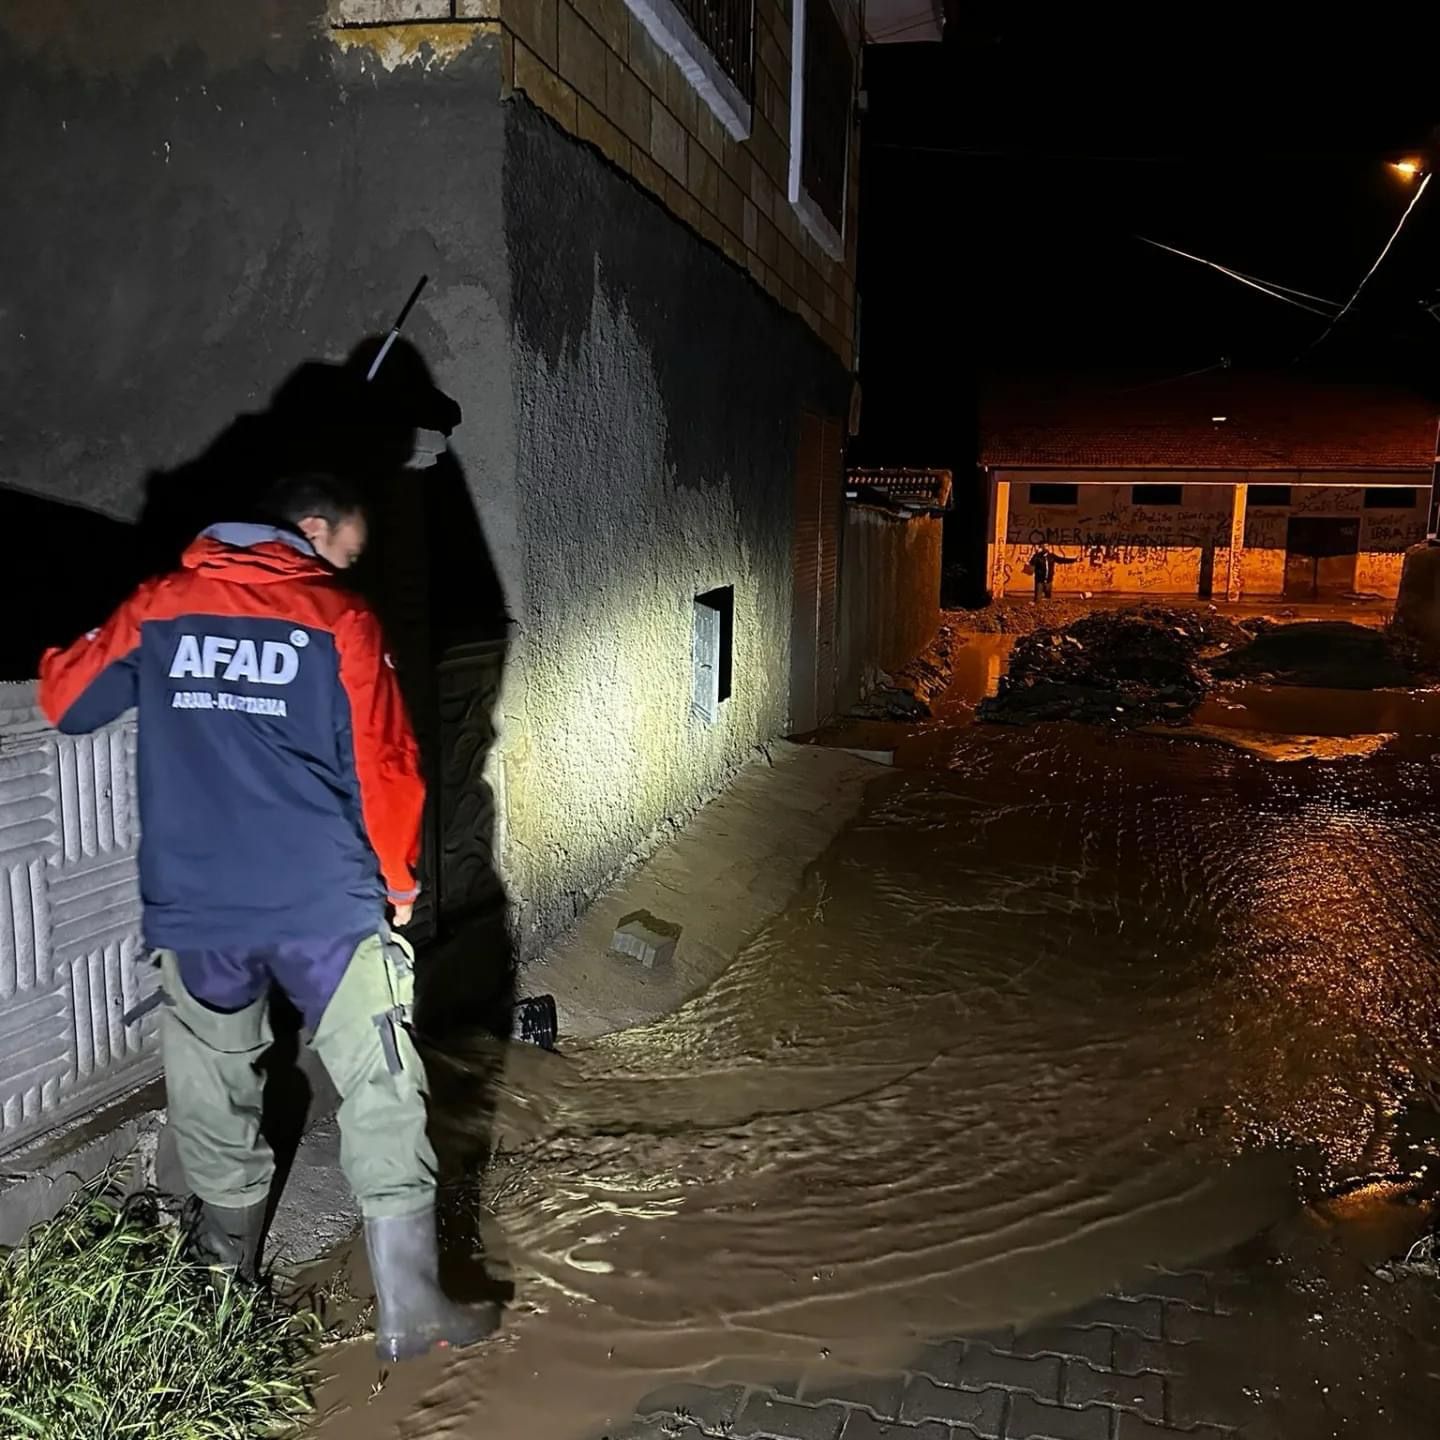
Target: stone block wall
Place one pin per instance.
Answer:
(592, 66)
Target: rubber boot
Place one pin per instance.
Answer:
(230, 1238)
(413, 1314)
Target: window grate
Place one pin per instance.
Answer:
(825, 144)
(727, 28)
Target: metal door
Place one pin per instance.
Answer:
(1320, 557)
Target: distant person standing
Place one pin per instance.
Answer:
(1042, 567)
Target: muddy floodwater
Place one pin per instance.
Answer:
(1057, 1005)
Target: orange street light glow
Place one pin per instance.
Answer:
(1408, 169)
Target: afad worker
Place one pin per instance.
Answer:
(280, 805)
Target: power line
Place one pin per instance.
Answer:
(1379, 259)
(1284, 293)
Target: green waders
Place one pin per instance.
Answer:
(214, 1088)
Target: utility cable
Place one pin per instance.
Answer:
(1365, 280)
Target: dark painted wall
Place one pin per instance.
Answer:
(658, 398)
(199, 200)
(208, 208)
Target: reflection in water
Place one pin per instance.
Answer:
(1061, 1006)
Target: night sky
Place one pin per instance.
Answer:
(1008, 171)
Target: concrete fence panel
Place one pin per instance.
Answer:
(72, 960)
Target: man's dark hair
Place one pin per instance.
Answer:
(314, 492)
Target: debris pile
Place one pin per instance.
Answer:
(1153, 665)
(911, 693)
(1332, 654)
(1020, 617)
(1118, 667)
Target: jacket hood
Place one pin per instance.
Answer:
(254, 554)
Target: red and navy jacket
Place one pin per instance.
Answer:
(280, 785)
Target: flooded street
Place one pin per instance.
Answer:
(1059, 1005)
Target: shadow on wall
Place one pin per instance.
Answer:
(432, 578)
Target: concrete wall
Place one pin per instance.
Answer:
(205, 196)
(658, 394)
(1385, 536)
(1125, 548)
(889, 594)
(1119, 546)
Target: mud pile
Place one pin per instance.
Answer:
(911, 693)
(1122, 667)
(1020, 617)
(1331, 654)
(1153, 665)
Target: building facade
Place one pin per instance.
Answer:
(606, 459)
(1245, 486)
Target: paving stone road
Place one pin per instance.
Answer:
(1265, 1345)
(1115, 1370)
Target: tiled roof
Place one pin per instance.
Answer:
(1269, 423)
(914, 488)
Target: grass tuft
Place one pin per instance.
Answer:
(108, 1330)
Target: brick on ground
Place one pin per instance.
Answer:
(1096, 1346)
(767, 1415)
(1136, 1427)
(1189, 1287)
(1038, 1375)
(1144, 1392)
(982, 1411)
(880, 1393)
(861, 1425)
(941, 1362)
(1030, 1420)
(1142, 1316)
(1184, 1326)
(1134, 1354)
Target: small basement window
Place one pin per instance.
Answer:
(1390, 497)
(1054, 494)
(1269, 495)
(1156, 494)
(714, 653)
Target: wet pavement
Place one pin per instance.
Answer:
(1060, 1019)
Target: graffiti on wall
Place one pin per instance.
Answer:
(1095, 545)
(1116, 545)
(1394, 534)
(1121, 546)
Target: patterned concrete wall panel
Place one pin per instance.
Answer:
(94, 794)
(72, 960)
